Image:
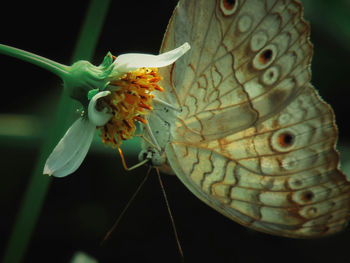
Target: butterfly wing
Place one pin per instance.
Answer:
(280, 176)
(253, 140)
(246, 63)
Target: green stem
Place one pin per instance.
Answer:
(38, 185)
(59, 69)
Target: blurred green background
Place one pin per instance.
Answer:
(79, 210)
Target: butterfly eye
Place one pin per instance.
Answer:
(228, 7)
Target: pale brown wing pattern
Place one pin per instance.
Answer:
(246, 63)
(280, 176)
(253, 140)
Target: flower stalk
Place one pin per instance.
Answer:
(38, 185)
(58, 69)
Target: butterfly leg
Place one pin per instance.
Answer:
(146, 140)
(152, 138)
(153, 152)
(144, 161)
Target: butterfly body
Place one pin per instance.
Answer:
(251, 136)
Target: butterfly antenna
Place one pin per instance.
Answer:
(132, 167)
(116, 223)
(171, 216)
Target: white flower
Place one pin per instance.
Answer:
(73, 147)
(84, 78)
(132, 61)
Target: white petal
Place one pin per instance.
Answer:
(98, 118)
(129, 62)
(71, 150)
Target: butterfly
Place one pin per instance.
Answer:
(243, 127)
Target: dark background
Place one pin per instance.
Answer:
(80, 208)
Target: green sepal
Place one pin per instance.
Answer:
(107, 61)
(92, 93)
(84, 78)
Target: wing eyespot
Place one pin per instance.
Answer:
(307, 196)
(311, 212)
(265, 57)
(229, 4)
(285, 139)
(271, 75)
(228, 7)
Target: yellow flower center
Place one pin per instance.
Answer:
(129, 102)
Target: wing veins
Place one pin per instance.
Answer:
(195, 79)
